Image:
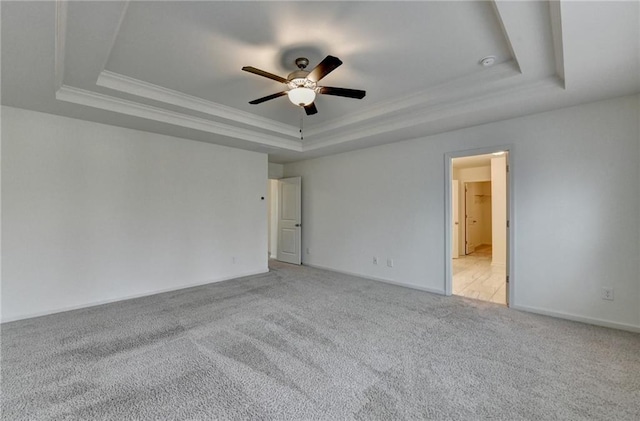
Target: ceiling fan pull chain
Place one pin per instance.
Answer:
(301, 120)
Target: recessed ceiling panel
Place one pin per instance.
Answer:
(389, 49)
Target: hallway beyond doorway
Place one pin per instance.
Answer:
(475, 277)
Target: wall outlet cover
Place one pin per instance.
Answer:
(607, 293)
(390, 263)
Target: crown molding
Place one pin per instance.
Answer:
(60, 42)
(447, 92)
(555, 11)
(118, 105)
(443, 93)
(505, 33)
(440, 111)
(140, 88)
(437, 102)
(114, 37)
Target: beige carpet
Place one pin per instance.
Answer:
(301, 343)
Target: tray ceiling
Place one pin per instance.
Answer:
(175, 67)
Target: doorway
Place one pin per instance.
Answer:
(477, 226)
(477, 216)
(284, 220)
(272, 218)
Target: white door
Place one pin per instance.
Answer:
(455, 218)
(289, 226)
(470, 218)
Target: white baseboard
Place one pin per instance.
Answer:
(127, 297)
(386, 281)
(575, 318)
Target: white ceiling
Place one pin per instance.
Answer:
(175, 67)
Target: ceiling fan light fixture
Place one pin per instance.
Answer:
(303, 85)
(301, 96)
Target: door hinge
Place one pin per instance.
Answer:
(507, 223)
(507, 278)
(507, 168)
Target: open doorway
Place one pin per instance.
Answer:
(272, 218)
(284, 220)
(478, 227)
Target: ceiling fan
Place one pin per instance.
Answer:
(303, 85)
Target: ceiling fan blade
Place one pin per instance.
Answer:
(267, 98)
(349, 93)
(325, 67)
(263, 73)
(311, 109)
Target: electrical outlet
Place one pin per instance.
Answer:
(390, 263)
(375, 260)
(308, 252)
(607, 293)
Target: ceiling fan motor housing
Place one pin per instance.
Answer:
(298, 79)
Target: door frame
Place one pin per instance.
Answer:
(448, 176)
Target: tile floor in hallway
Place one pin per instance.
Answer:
(474, 277)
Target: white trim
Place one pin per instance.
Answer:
(505, 33)
(441, 94)
(555, 12)
(60, 43)
(434, 112)
(371, 278)
(576, 318)
(448, 241)
(147, 90)
(129, 297)
(110, 103)
(443, 101)
(114, 37)
(448, 261)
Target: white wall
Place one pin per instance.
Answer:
(275, 170)
(576, 217)
(95, 213)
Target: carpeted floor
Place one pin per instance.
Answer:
(301, 343)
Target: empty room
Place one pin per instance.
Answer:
(320, 210)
